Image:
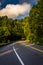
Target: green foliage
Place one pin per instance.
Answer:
(36, 23)
(10, 30)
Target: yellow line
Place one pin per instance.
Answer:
(34, 48)
(4, 53)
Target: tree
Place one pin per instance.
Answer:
(36, 23)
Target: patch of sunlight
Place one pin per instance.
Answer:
(27, 40)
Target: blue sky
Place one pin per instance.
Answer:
(5, 2)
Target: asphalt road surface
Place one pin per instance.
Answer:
(21, 53)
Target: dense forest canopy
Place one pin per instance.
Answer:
(30, 28)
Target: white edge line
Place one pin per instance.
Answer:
(18, 56)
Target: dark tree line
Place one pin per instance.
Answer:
(10, 30)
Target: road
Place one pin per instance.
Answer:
(21, 53)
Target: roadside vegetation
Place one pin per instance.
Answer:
(29, 28)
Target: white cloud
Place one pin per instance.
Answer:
(13, 11)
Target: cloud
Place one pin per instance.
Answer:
(13, 11)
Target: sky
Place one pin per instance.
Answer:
(16, 9)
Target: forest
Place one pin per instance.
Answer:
(30, 28)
